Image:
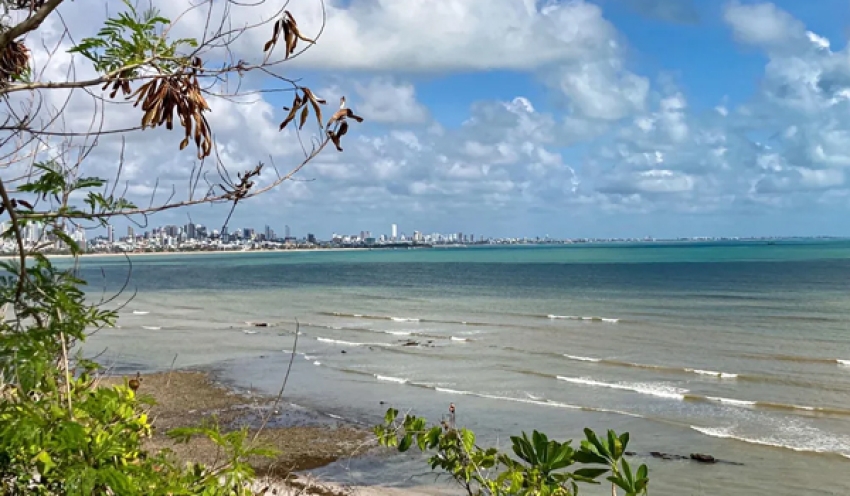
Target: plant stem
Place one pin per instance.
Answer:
(16, 227)
(67, 374)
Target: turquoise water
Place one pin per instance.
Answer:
(740, 350)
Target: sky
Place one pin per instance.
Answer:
(571, 118)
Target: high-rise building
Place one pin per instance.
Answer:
(110, 233)
(191, 231)
(394, 235)
(311, 238)
(286, 231)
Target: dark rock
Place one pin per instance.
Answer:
(699, 457)
(260, 324)
(382, 402)
(343, 351)
(630, 453)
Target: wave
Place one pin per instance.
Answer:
(665, 368)
(534, 401)
(651, 389)
(796, 358)
(460, 339)
(249, 332)
(409, 319)
(387, 378)
(375, 331)
(349, 343)
(713, 373)
(591, 319)
(151, 328)
(583, 359)
(726, 433)
(140, 312)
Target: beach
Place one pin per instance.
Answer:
(739, 351)
(304, 440)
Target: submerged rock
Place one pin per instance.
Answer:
(703, 458)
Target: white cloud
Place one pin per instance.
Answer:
(637, 148)
(446, 35)
(382, 100)
(763, 24)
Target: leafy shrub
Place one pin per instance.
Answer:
(538, 468)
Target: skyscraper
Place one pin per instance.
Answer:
(394, 232)
(110, 233)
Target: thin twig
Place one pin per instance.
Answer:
(170, 370)
(273, 409)
(16, 227)
(67, 374)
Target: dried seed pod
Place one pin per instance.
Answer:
(13, 61)
(180, 94)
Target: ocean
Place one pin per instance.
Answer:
(740, 350)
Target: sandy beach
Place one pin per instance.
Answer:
(304, 440)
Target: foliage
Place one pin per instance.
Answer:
(537, 469)
(62, 432)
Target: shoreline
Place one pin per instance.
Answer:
(199, 252)
(305, 439)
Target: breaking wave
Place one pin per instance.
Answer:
(590, 319)
(648, 388)
(709, 373)
(349, 343)
(822, 444)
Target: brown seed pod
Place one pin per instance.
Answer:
(13, 61)
(135, 382)
(162, 98)
(287, 27)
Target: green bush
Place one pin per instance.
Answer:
(539, 466)
(61, 432)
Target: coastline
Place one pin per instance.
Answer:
(199, 252)
(304, 439)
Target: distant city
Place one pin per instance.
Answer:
(198, 237)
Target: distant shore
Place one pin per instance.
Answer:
(199, 252)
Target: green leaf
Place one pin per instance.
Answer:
(390, 416)
(590, 473)
(405, 443)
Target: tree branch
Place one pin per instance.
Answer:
(28, 24)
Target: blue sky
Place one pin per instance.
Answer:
(571, 118)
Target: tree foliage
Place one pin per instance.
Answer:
(62, 432)
(538, 467)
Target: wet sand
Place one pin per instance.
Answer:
(304, 440)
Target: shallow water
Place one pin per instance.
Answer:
(740, 350)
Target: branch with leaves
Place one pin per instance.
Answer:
(61, 433)
(539, 467)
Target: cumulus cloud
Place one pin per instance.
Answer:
(616, 143)
(764, 25)
(385, 101)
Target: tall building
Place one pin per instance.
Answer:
(286, 232)
(394, 232)
(191, 231)
(110, 233)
